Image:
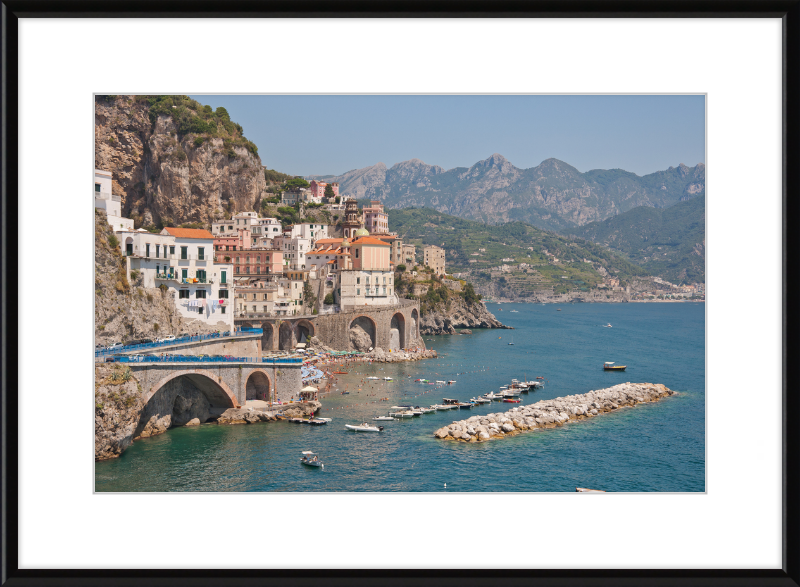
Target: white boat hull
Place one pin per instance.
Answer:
(362, 428)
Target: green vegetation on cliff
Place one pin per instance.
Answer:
(669, 242)
(192, 117)
(478, 247)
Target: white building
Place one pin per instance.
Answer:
(294, 250)
(310, 231)
(182, 260)
(105, 200)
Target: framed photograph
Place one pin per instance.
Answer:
(376, 291)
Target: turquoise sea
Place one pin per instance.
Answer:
(653, 447)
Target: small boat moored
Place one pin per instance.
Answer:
(610, 366)
(311, 460)
(383, 418)
(363, 427)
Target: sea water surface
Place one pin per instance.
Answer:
(652, 447)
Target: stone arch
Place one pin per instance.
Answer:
(286, 336)
(304, 329)
(181, 397)
(362, 332)
(217, 391)
(266, 337)
(128, 250)
(246, 325)
(258, 386)
(414, 326)
(397, 332)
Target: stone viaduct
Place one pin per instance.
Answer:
(225, 385)
(388, 327)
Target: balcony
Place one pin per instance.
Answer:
(106, 196)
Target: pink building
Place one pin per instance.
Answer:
(370, 254)
(247, 261)
(376, 221)
(317, 188)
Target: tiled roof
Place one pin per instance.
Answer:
(366, 240)
(189, 232)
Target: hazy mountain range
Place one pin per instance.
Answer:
(553, 195)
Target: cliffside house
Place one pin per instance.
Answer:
(433, 257)
(376, 221)
(105, 200)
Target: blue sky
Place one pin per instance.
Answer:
(305, 135)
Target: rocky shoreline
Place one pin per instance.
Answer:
(553, 412)
(457, 315)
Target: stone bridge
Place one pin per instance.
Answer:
(388, 327)
(224, 384)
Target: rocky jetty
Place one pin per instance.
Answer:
(380, 356)
(553, 412)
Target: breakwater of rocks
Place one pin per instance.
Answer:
(552, 412)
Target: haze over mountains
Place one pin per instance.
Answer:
(553, 195)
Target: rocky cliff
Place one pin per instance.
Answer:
(553, 195)
(175, 161)
(447, 317)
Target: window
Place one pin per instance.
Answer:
(171, 250)
(200, 310)
(184, 273)
(224, 278)
(97, 188)
(223, 309)
(147, 250)
(265, 297)
(358, 280)
(254, 310)
(200, 294)
(384, 280)
(158, 251)
(184, 252)
(384, 291)
(223, 294)
(358, 291)
(356, 253)
(367, 279)
(158, 269)
(183, 294)
(254, 297)
(201, 253)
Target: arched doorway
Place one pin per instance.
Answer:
(397, 332)
(362, 334)
(266, 338)
(305, 330)
(414, 326)
(258, 386)
(286, 340)
(129, 246)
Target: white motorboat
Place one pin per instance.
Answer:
(441, 382)
(325, 419)
(363, 427)
(426, 410)
(311, 460)
(387, 379)
(376, 378)
(608, 325)
(480, 400)
(383, 418)
(400, 414)
(493, 396)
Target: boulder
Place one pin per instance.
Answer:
(507, 427)
(193, 422)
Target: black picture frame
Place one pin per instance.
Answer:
(12, 11)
